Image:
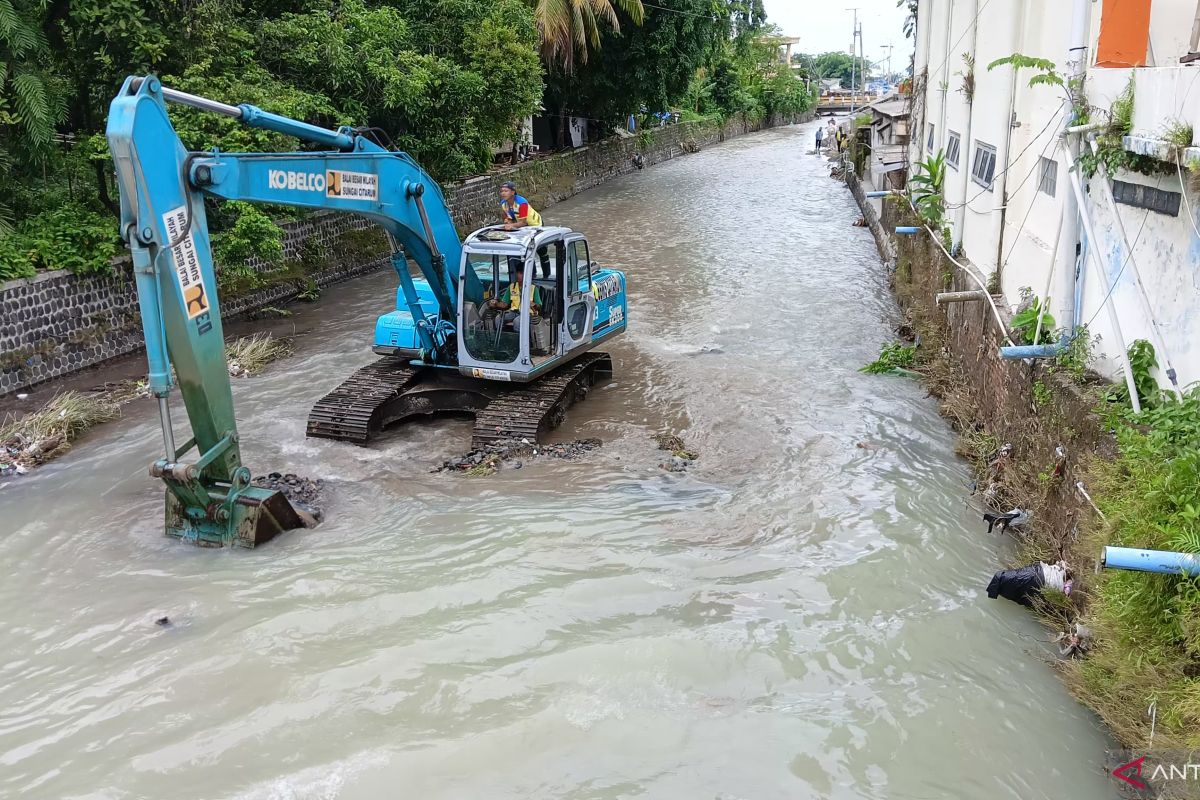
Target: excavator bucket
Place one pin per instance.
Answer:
(254, 516)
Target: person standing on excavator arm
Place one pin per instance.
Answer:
(515, 209)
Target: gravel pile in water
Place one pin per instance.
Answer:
(488, 460)
(303, 493)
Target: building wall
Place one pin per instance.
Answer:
(58, 323)
(1015, 225)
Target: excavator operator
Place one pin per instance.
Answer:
(507, 308)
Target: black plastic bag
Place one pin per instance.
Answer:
(1018, 585)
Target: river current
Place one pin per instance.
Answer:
(799, 615)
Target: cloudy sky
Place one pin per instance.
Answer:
(824, 25)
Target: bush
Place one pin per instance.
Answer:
(71, 237)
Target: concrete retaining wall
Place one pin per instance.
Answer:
(884, 242)
(58, 323)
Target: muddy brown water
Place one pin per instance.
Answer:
(796, 616)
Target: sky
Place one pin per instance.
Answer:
(825, 25)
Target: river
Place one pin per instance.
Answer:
(799, 615)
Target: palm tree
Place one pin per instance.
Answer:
(569, 27)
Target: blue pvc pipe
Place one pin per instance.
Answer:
(907, 229)
(1057, 349)
(1161, 561)
(885, 193)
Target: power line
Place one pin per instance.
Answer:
(1032, 203)
(712, 17)
(960, 38)
(1128, 257)
(1011, 163)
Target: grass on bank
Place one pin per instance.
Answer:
(1147, 626)
(49, 432)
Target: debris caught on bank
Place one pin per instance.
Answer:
(303, 493)
(681, 458)
(249, 355)
(1022, 585)
(895, 358)
(1075, 641)
(488, 460)
(1016, 518)
(49, 432)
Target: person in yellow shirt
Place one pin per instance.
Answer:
(507, 308)
(515, 209)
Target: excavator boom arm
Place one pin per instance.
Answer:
(163, 187)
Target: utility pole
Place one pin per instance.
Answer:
(853, 38)
(862, 61)
(888, 47)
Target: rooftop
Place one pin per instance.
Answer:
(892, 106)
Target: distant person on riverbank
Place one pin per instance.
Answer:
(515, 209)
(820, 136)
(830, 134)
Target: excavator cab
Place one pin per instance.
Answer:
(519, 330)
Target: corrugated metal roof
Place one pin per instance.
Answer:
(891, 108)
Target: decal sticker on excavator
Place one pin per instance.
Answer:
(492, 374)
(351, 185)
(607, 287)
(188, 270)
(297, 181)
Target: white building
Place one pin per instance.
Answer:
(1008, 188)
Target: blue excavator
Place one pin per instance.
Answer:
(448, 344)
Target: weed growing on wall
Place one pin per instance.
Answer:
(925, 189)
(1076, 359)
(1025, 323)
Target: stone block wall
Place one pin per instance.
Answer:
(58, 323)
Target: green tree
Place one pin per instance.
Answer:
(31, 101)
(446, 107)
(847, 69)
(648, 66)
(569, 27)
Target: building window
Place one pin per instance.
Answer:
(1049, 181)
(983, 168)
(952, 148)
(930, 146)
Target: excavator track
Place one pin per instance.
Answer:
(354, 411)
(390, 390)
(535, 408)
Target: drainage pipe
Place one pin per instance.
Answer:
(1060, 347)
(1160, 340)
(1077, 188)
(964, 165)
(1000, 187)
(945, 84)
(908, 230)
(1163, 562)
